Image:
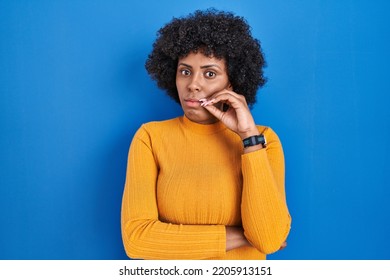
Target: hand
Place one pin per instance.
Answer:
(284, 245)
(235, 238)
(238, 117)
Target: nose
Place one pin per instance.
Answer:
(195, 84)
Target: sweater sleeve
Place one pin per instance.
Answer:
(265, 216)
(144, 235)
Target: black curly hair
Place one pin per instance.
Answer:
(214, 33)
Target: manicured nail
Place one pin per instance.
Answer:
(208, 102)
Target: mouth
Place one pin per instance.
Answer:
(192, 102)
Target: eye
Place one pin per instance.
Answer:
(185, 72)
(210, 74)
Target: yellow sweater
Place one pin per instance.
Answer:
(186, 181)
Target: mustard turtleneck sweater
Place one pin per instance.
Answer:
(186, 181)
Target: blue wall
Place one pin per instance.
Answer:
(74, 90)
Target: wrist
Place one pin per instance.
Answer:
(249, 133)
(254, 140)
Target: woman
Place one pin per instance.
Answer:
(206, 185)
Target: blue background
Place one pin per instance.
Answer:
(74, 91)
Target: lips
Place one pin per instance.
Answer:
(192, 102)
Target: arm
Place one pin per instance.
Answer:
(144, 235)
(265, 226)
(265, 217)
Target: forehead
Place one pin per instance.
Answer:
(199, 59)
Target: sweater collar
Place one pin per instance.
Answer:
(202, 128)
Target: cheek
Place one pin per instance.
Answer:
(220, 85)
(180, 81)
(177, 82)
(179, 87)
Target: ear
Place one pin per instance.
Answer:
(230, 87)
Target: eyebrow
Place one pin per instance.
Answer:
(202, 67)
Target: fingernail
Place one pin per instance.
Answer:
(208, 102)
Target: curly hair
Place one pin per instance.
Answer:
(214, 33)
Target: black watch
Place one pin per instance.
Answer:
(254, 140)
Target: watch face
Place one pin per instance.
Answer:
(262, 139)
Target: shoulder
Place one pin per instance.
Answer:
(157, 128)
(160, 126)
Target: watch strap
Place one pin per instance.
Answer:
(254, 140)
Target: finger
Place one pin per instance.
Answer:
(229, 93)
(224, 97)
(214, 111)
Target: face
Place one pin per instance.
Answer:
(197, 77)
